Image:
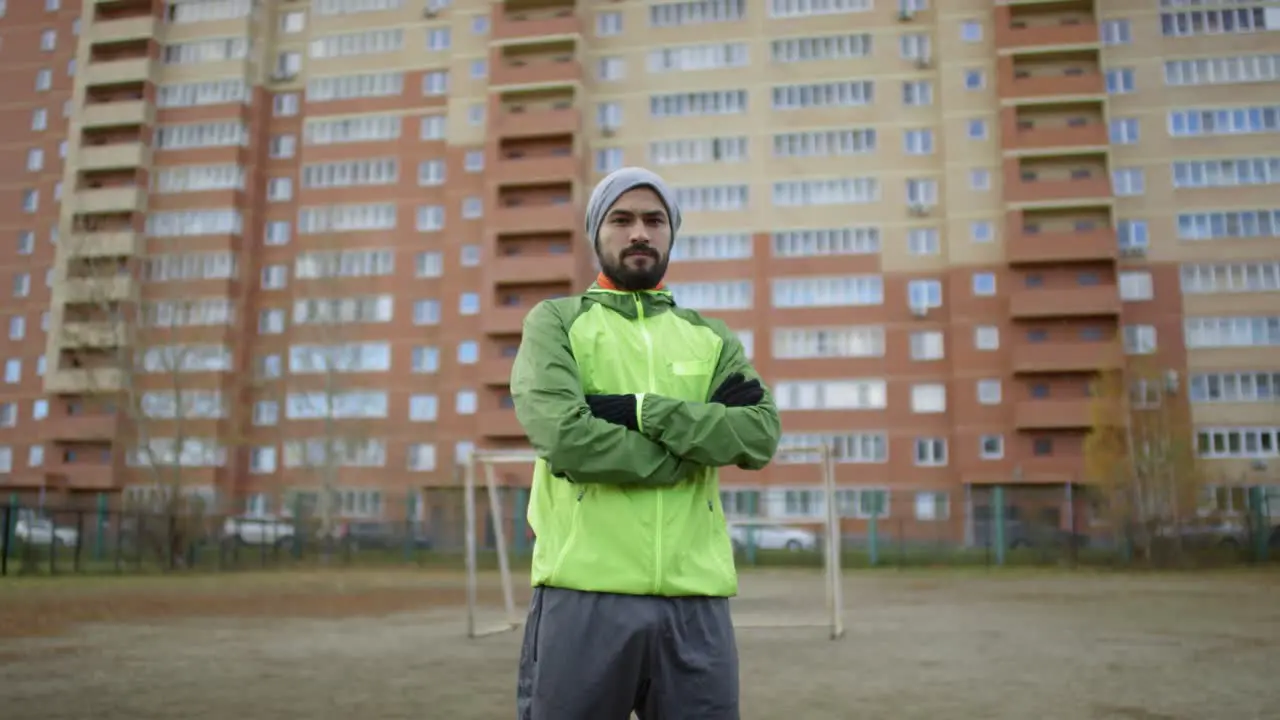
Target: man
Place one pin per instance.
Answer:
(632, 403)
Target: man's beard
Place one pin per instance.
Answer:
(632, 279)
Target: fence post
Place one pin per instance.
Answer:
(873, 539)
(1259, 521)
(997, 517)
(4, 552)
(410, 532)
(100, 528)
(12, 528)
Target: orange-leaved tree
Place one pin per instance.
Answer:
(1140, 456)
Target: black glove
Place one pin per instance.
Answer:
(617, 409)
(738, 391)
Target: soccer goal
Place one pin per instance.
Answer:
(486, 463)
(781, 605)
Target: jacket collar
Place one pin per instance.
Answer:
(624, 302)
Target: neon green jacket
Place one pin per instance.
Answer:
(616, 510)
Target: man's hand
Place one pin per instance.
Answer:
(617, 409)
(737, 391)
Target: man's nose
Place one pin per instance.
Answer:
(639, 233)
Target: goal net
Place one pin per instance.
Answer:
(760, 604)
(780, 600)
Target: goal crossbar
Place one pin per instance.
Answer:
(489, 460)
(833, 579)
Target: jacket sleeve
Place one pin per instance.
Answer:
(711, 433)
(551, 408)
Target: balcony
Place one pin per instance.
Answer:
(1038, 30)
(534, 170)
(1092, 301)
(103, 245)
(116, 288)
(107, 200)
(533, 268)
(1024, 248)
(545, 70)
(110, 31)
(116, 72)
(1022, 133)
(500, 423)
(83, 428)
(1037, 81)
(114, 156)
(93, 335)
(1056, 184)
(113, 114)
(79, 382)
(525, 121)
(1066, 357)
(1053, 414)
(533, 25)
(503, 320)
(496, 372)
(84, 476)
(534, 218)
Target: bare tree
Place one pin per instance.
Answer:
(327, 354)
(1140, 456)
(177, 420)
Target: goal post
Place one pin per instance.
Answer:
(488, 461)
(832, 576)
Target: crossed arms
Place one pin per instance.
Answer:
(674, 439)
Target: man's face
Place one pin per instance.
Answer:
(634, 241)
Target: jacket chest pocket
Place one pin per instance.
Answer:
(690, 379)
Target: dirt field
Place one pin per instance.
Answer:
(388, 645)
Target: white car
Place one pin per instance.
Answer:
(774, 537)
(43, 532)
(257, 529)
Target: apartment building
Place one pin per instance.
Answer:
(271, 239)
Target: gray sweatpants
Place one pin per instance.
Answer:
(600, 656)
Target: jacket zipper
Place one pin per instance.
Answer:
(657, 527)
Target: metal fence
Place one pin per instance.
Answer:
(977, 526)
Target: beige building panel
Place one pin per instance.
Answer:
(212, 30)
(192, 72)
(458, 127)
(1250, 197)
(1232, 359)
(960, 149)
(1166, 247)
(1180, 96)
(1240, 471)
(1218, 304)
(411, 17)
(697, 174)
(1157, 143)
(962, 250)
(817, 216)
(1232, 414)
(412, 58)
(461, 82)
(1130, 9)
(1215, 45)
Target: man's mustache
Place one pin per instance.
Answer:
(640, 251)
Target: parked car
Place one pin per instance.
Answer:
(773, 537)
(257, 530)
(42, 531)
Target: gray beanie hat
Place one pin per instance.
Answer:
(619, 182)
